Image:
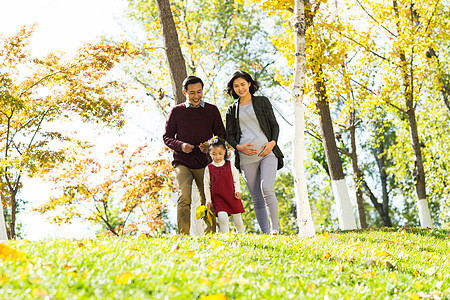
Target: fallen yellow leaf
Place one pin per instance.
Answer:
(38, 293)
(219, 296)
(3, 279)
(325, 256)
(368, 275)
(414, 296)
(125, 278)
(189, 254)
(311, 287)
(418, 285)
(382, 253)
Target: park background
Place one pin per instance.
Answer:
(258, 47)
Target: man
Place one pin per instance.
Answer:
(188, 126)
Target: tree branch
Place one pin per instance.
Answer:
(376, 21)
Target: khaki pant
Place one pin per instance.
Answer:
(184, 177)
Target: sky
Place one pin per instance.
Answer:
(61, 25)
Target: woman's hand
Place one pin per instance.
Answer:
(246, 149)
(267, 148)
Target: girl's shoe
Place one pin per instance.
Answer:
(274, 232)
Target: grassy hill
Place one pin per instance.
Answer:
(403, 263)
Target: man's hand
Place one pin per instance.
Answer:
(187, 148)
(237, 195)
(203, 147)
(208, 204)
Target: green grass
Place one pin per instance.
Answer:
(405, 263)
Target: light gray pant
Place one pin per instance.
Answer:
(260, 180)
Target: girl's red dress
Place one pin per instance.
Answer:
(222, 190)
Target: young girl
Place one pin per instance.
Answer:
(222, 188)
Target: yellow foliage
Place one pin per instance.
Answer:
(8, 253)
(200, 212)
(140, 183)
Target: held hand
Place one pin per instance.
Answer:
(208, 204)
(203, 147)
(267, 148)
(246, 149)
(187, 148)
(237, 195)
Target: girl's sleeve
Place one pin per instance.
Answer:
(236, 179)
(207, 185)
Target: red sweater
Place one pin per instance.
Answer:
(193, 126)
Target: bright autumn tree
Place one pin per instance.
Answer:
(216, 37)
(305, 222)
(397, 38)
(38, 94)
(320, 56)
(174, 57)
(111, 190)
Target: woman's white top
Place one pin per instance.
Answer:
(251, 133)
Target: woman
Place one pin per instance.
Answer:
(252, 130)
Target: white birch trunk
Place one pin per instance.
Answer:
(304, 217)
(197, 226)
(344, 206)
(424, 213)
(3, 234)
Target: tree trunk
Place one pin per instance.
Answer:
(177, 68)
(340, 191)
(357, 174)
(175, 59)
(445, 90)
(382, 209)
(304, 217)
(379, 157)
(12, 224)
(419, 171)
(3, 234)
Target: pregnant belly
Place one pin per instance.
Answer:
(256, 144)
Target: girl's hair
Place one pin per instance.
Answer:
(217, 142)
(254, 85)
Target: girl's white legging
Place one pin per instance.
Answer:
(222, 220)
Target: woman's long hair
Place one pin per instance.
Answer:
(254, 85)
